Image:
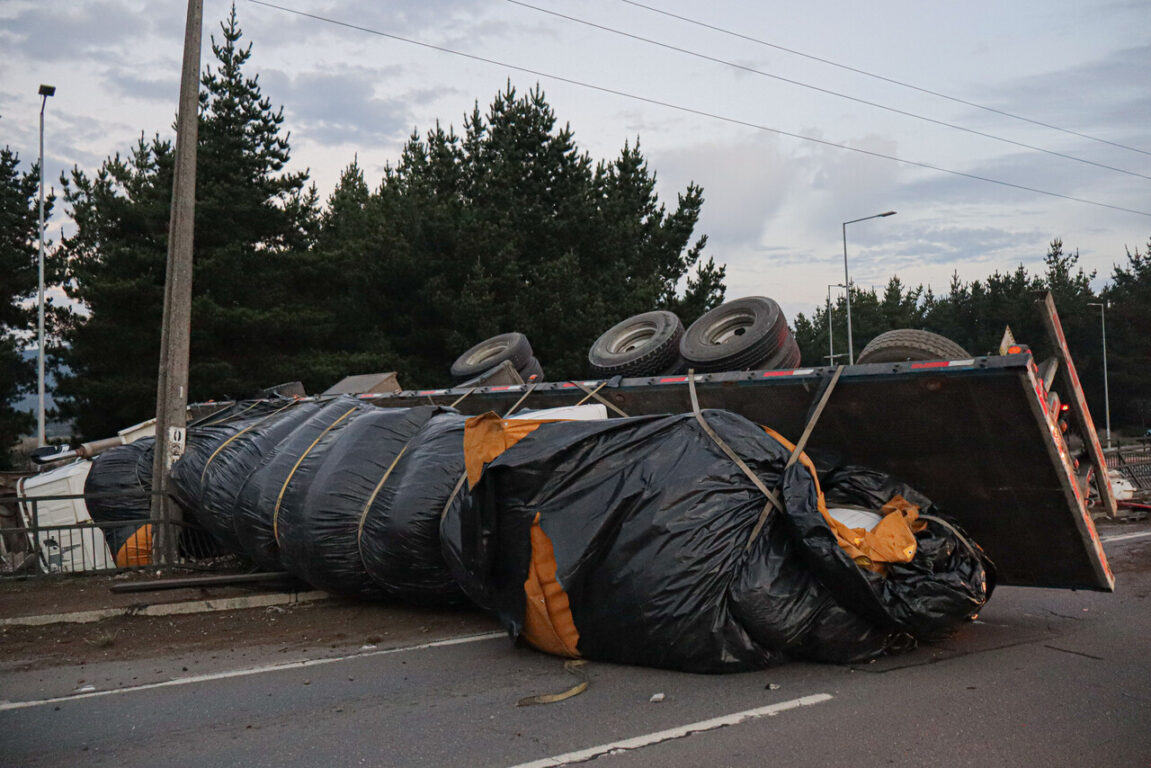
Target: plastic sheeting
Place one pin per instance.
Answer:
(319, 523)
(649, 525)
(400, 540)
(118, 490)
(233, 461)
(259, 500)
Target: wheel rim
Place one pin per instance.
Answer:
(486, 354)
(728, 329)
(632, 340)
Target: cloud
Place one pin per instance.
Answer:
(65, 31)
(1107, 96)
(338, 105)
(745, 183)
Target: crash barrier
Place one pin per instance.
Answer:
(35, 543)
(1133, 463)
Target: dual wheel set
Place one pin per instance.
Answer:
(745, 334)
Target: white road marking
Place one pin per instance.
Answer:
(638, 742)
(7, 705)
(1125, 537)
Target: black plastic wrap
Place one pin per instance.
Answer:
(204, 439)
(228, 468)
(319, 520)
(400, 542)
(947, 581)
(118, 490)
(260, 497)
(649, 521)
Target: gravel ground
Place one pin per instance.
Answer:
(333, 625)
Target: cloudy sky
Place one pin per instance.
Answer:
(730, 95)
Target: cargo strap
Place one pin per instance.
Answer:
(460, 483)
(772, 497)
(971, 548)
(595, 393)
(299, 461)
(226, 419)
(813, 417)
(224, 444)
(572, 667)
(371, 500)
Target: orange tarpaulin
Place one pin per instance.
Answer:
(892, 540)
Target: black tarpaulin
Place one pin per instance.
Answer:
(650, 523)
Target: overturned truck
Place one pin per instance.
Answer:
(715, 522)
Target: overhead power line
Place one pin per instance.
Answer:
(885, 79)
(690, 110)
(829, 92)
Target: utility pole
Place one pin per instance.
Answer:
(172, 388)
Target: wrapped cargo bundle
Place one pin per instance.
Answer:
(642, 541)
(278, 473)
(400, 530)
(118, 489)
(204, 443)
(216, 490)
(345, 476)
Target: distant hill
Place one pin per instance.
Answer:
(28, 402)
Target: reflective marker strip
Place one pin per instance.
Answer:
(943, 364)
(679, 732)
(792, 372)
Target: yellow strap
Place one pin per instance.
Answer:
(299, 461)
(226, 419)
(772, 498)
(572, 667)
(224, 444)
(595, 393)
(372, 498)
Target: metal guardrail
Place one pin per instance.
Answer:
(31, 548)
(1134, 462)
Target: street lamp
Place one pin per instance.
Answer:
(1106, 394)
(45, 92)
(847, 280)
(830, 329)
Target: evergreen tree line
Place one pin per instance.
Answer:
(975, 314)
(507, 226)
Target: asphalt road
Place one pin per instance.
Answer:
(1044, 677)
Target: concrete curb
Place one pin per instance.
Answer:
(167, 609)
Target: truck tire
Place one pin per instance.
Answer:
(491, 352)
(642, 345)
(910, 344)
(533, 368)
(735, 336)
(787, 356)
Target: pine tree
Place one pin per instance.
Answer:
(19, 251)
(512, 227)
(252, 324)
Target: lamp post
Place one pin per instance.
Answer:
(847, 280)
(1106, 394)
(45, 92)
(830, 329)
